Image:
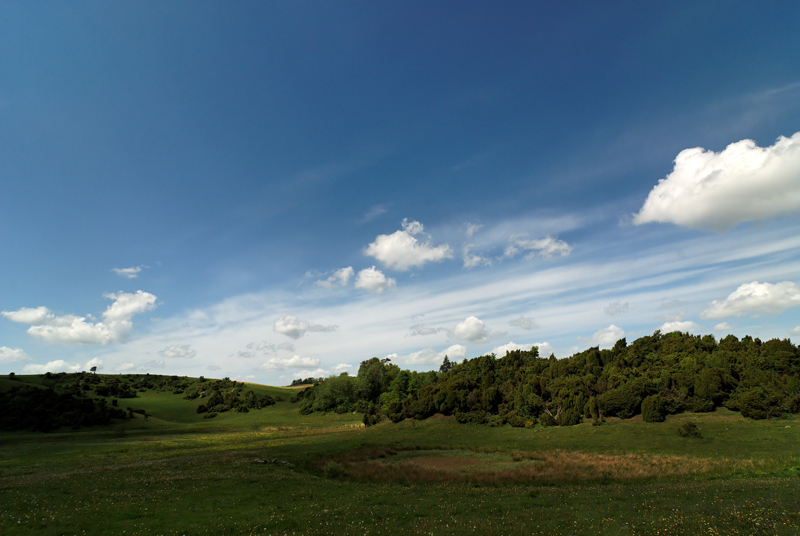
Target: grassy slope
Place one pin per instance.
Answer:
(179, 473)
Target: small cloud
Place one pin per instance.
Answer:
(744, 182)
(616, 308)
(213, 367)
(473, 329)
(754, 299)
(605, 337)
(129, 273)
(402, 251)
(523, 323)
(375, 212)
(471, 228)
(184, 350)
(340, 278)
(278, 363)
(293, 327)
(684, 327)
(722, 326)
(12, 355)
(124, 367)
(546, 247)
(673, 303)
(795, 331)
(471, 260)
(289, 347)
(374, 281)
(675, 316)
(421, 329)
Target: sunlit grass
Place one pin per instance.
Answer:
(414, 477)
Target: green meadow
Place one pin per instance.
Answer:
(275, 471)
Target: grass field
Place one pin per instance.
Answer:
(274, 471)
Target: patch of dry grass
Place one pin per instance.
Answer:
(491, 465)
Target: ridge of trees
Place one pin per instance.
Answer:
(79, 399)
(654, 376)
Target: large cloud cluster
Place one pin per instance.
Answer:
(70, 329)
(744, 182)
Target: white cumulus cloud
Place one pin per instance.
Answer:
(12, 355)
(744, 182)
(284, 363)
(682, 326)
(755, 298)
(58, 365)
(473, 329)
(293, 327)
(429, 356)
(605, 337)
(183, 350)
(402, 251)
(722, 326)
(374, 281)
(71, 329)
(339, 278)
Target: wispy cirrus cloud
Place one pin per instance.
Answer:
(129, 273)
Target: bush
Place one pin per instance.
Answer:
(653, 409)
(689, 429)
(333, 470)
(570, 417)
(622, 402)
(759, 403)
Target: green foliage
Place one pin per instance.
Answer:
(653, 409)
(333, 470)
(689, 429)
(673, 373)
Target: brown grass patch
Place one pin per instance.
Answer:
(461, 465)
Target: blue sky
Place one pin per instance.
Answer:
(273, 190)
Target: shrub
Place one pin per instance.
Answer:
(333, 470)
(689, 429)
(653, 409)
(759, 403)
(570, 417)
(622, 402)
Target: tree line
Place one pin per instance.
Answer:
(654, 376)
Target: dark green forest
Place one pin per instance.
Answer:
(654, 376)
